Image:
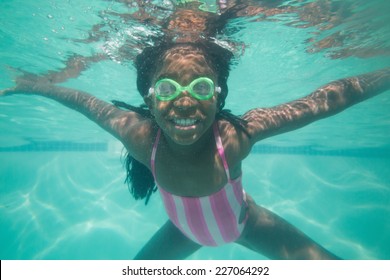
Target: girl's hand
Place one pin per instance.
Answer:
(7, 91)
(27, 83)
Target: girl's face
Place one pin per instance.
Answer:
(184, 119)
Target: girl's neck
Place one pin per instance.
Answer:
(198, 147)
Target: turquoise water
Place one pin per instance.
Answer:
(61, 179)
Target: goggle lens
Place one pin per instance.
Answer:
(165, 89)
(203, 88)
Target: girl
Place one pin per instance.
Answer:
(192, 148)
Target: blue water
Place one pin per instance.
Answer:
(61, 179)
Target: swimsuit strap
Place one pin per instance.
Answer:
(221, 150)
(153, 158)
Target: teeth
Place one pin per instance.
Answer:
(184, 122)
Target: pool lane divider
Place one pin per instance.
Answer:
(71, 146)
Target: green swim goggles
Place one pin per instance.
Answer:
(201, 88)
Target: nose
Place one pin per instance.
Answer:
(184, 101)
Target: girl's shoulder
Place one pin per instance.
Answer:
(234, 140)
(140, 139)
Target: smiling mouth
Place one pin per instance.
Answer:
(185, 122)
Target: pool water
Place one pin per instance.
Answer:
(62, 194)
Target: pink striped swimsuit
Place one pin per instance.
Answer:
(209, 220)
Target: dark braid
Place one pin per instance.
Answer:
(139, 178)
(235, 120)
(142, 109)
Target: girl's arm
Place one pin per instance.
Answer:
(324, 102)
(115, 121)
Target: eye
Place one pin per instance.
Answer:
(165, 89)
(202, 88)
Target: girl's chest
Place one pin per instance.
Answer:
(198, 174)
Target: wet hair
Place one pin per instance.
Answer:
(139, 178)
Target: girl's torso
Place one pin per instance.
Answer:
(198, 173)
(213, 215)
